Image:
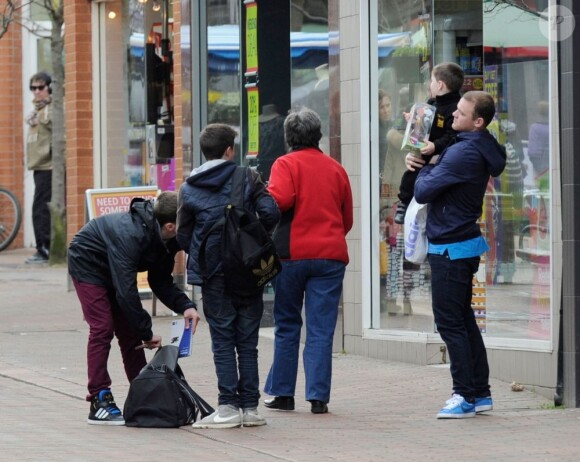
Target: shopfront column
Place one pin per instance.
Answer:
(79, 113)
(570, 167)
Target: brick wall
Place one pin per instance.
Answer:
(178, 120)
(177, 89)
(78, 111)
(11, 117)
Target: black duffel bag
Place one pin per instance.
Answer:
(161, 397)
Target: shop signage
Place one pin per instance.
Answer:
(253, 121)
(113, 200)
(252, 37)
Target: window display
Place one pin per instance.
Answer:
(511, 294)
(138, 89)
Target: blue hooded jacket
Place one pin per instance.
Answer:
(455, 186)
(202, 201)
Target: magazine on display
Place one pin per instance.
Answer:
(418, 127)
(181, 337)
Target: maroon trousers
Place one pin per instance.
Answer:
(105, 320)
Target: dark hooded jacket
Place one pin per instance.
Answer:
(110, 250)
(442, 133)
(202, 201)
(455, 186)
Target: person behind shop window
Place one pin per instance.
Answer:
(385, 123)
(394, 165)
(446, 81)
(454, 185)
(539, 144)
(234, 322)
(104, 258)
(314, 195)
(39, 161)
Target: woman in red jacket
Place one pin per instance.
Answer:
(313, 193)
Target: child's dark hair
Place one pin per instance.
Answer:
(165, 207)
(215, 139)
(450, 74)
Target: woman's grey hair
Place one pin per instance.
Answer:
(302, 128)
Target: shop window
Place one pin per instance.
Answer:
(138, 89)
(404, 44)
(501, 49)
(43, 54)
(518, 266)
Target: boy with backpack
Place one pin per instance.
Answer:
(233, 318)
(446, 81)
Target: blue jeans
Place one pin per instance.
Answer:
(319, 284)
(234, 328)
(451, 282)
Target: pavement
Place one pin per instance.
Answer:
(379, 410)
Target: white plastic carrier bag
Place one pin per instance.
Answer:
(416, 243)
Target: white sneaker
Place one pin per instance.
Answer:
(251, 418)
(226, 416)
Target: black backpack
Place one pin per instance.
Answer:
(160, 396)
(249, 257)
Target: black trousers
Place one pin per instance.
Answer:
(407, 188)
(40, 211)
(451, 282)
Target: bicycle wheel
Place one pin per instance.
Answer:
(10, 218)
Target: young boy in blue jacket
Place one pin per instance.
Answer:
(233, 323)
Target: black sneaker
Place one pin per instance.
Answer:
(400, 213)
(104, 410)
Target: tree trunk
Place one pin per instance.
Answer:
(57, 204)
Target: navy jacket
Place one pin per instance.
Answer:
(202, 201)
(110, 250)
(455, 186)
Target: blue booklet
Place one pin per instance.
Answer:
(181, 337)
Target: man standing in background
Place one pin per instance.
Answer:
(39, 160)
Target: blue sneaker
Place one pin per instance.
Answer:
(483, 404)
(457, 408)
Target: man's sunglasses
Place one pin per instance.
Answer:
(37, 87)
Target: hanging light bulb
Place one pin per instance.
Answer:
(112, 15)
(156, 6)
(142, 1)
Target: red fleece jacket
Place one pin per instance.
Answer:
(314, 191)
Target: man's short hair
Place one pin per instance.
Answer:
(42, 77)
(450, 74)
(165, 208)
(215, 139)
(302, 128)
(483, 105)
